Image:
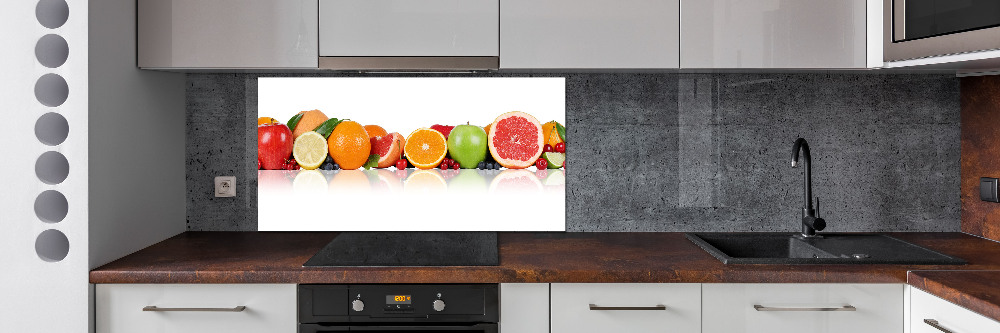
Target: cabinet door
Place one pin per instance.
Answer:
(409, 28)
(227, 34)
(951, 317)
(589, 34)
(802, 308)
(773, 34)
(626, 307)
(524, 308)
(269, 308)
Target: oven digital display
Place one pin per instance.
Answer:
(397, 299)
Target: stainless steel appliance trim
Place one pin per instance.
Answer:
(158, 309)
(898, 20)
(409, 63)
(759, 307)
(934, 323)
(627, 308)
(957, 43)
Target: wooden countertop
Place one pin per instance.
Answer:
(978, 291)
(277, 257)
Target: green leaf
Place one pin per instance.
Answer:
(372, 161)
(294, 121)
(326, 128)
(562, 131)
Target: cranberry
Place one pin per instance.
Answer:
(444, 165)
(541, 164)
(455, 166)
(561, 147)
(401, 164)
(547, 148)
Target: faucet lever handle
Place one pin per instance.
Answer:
(817, 206)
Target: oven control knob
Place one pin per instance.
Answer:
(438, 305)
(358, 305)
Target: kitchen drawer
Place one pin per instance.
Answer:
(729, 308)
(949, 316)
(641, 307)
(269, 308)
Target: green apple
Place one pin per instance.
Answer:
(467, 145)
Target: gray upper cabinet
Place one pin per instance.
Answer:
(589, 34)
(219, 34)
(775, 34)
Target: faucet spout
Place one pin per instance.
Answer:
(810, 222)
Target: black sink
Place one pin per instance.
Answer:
(787, 248)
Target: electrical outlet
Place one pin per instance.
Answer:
(225, 186)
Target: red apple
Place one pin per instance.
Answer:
(274, 145)
(444, 129)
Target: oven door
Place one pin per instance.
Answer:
(926, 28)
(471, 328)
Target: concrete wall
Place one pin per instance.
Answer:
(683, 152)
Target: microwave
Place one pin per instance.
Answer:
(915, 29)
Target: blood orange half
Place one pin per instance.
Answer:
(515, 140)
(388, 148)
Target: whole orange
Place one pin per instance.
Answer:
(349, 145)
(375, 131)
(310, 120)
(266, 120)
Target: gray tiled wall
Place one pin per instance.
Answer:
(682, 152)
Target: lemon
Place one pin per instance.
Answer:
(309, 150)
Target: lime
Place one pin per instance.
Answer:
(310, 150)
(555, 159)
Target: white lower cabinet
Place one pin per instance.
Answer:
(524, 308)
(626, 307)
(196, 308)
(802, 308)
(930, 314)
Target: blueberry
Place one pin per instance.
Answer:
(328, 159)
(482, 165)
(336, 166)
(327, 166)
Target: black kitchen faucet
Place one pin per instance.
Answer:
(810, 222)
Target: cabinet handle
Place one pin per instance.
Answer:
(935, 324)
(631, 308)
(759, 307)
(233, 309)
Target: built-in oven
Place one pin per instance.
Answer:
(927, 28)
(388, 308)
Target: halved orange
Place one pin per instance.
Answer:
(425, 148)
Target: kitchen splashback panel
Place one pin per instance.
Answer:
(681, 152)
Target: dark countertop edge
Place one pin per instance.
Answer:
(942, 283)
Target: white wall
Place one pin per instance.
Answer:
(137, 184)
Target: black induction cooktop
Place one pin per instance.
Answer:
(409, 249)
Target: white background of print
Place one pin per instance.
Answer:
(406, 104)
(403, 105)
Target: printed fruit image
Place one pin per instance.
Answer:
(308, 122)
(309, 182)
(384, 181)
(310, 150)
(469, 181)
(555, 160)
(349, 145)
(388, 149)
(274, 145)
(516, 140)
(349, 183)
(266, 120)
(444, 129)
(425, 182)
(551, 132)
(425, 148)
(402, 142)
(467, 145)
(516, 182)
(375, 131)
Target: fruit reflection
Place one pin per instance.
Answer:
(349, 182)
(515, 181)
(384, 181)
(275, 181)
(309, 182)
(425, 182)
(467, 180)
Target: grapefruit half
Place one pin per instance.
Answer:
(515, 140)
(388, 148)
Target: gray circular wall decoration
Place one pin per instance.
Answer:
(52, 245)
(52, 13)
(51, 90)
(51, 51)
(51, 129)
(52, 167)
(51, 206)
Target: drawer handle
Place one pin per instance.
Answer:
(234, 309)
(935, 324)
(759, 307)
(629, 308)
